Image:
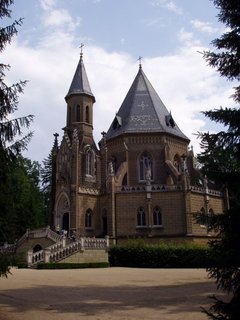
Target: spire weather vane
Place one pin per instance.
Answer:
(140, 61)
(81, 48)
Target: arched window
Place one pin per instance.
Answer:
(37, 248)
(141, 217)
(87, 114)
(210, 217)
(145, 167)
(69, 114)
(88, 218)
(90, 160)
(203, 217)
(177, 162)
(124, 181)
(210, 212)
(157, 217)
(78, 113)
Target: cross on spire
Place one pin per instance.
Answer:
(140, 62)
(81, 48)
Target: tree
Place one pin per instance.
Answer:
(12, 140)
(221, 162)
(48, 176)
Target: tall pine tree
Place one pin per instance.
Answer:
(48, 176)
(221, 162)
(12, 141)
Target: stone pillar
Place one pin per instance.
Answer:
(29, 258)
(64, 241)
(82, 243)
(107, 241)
(47, 253)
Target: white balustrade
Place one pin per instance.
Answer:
(60, 250)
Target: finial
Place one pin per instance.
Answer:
(56, 139)
(81, 52)
(140, 62)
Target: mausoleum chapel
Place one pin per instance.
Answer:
(139, 181)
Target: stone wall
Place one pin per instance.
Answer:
(87, 256)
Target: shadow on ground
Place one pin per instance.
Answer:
(95, 300)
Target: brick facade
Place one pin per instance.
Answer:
(104, 191)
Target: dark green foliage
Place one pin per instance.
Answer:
(10, 129)
(72, 265)
(6, 261)
(48, 176)
(161, 256)
(21, 201)
(221, 162)
(12, 142)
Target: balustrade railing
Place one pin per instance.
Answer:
(60, 250)
(206, 191)
(8, 248)
(164, 187)
(150, 188)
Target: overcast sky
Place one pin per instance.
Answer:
(169, 35)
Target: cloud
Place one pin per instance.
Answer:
(195, 86)
(206, 27)
(187, 38)
(60, 18)
(47, 4)
(182, 80)
(166, 4)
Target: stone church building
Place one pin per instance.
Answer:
(139, 181)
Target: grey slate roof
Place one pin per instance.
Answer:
(80, 83)
(142, 111)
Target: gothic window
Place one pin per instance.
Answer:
(124, 181)
(145, 167)
(78, 113)
(88, 218)
(69, 115)
(203, 217)
(211, 212)
(210, 217)
(141, 217)
(177, 162)
(157, 217)
(90, 159)
(87, 114)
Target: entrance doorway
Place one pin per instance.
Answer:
(65, 221)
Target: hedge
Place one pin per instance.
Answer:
(161, 256)
(72, 265)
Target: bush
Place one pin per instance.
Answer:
(72, 265)
(161, 256)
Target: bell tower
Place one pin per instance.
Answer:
(80, 100)
(78, 161)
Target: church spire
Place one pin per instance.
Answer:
(80, 83)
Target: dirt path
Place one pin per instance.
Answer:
(106, 294)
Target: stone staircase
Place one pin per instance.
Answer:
(58, 248)
(84, 249)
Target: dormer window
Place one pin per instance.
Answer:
(169, 121)
(117, 122)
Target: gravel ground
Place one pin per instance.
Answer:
(106, 294)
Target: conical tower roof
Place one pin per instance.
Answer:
(80, 83)
(142, 111)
